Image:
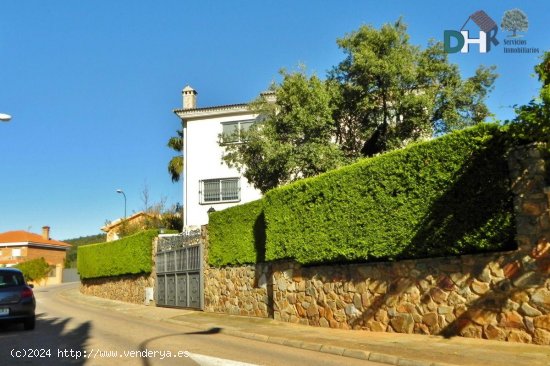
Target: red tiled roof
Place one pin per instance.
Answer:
(32, 238)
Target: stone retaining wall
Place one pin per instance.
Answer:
(128, 288)
(238, 290)
(503, 297)
(500, 296)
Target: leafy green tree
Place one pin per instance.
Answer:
(35, 269)
(175, 166)
(392, 92)
(158, 215)
(514, 20)
(535, 116)
(294, 138)
(385, 94)
(532, 122)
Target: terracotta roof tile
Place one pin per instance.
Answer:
(25, 236)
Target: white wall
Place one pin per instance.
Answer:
(203, 160)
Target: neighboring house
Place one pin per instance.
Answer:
(208, 183)
(136, 221)
(20, 246)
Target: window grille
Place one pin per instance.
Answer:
(220, 190)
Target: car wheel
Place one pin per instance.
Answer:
(29, 323)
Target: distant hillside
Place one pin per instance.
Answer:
(90, 239)
(70, 262)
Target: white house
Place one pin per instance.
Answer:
(208, 183)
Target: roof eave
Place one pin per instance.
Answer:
(50, 245)
(219, 111)
(36, 244)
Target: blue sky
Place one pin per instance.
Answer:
(91, 86)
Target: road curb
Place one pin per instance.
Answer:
(360, 354)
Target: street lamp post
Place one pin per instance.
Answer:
(122, 192)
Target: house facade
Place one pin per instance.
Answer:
(208, 183)
(20, 246)
(136, 221)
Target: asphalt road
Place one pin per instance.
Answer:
(70, 333)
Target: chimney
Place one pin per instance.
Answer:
(189, 98)
(46, 232)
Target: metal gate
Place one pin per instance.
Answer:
(179, 270)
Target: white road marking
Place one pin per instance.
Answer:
(214, 361)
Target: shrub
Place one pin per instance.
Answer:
(448, 196)
(34, 270)
(237, 235)
(129, 255)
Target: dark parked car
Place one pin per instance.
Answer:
(17, 303)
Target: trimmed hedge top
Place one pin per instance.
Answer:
(129, 255)
(447, 196)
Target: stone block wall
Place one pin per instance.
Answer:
(500, 296)
(503, 296)
(238, 290)
(128, 288)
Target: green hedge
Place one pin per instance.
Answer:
(236, 235)
(448, 196)
(129, 255)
